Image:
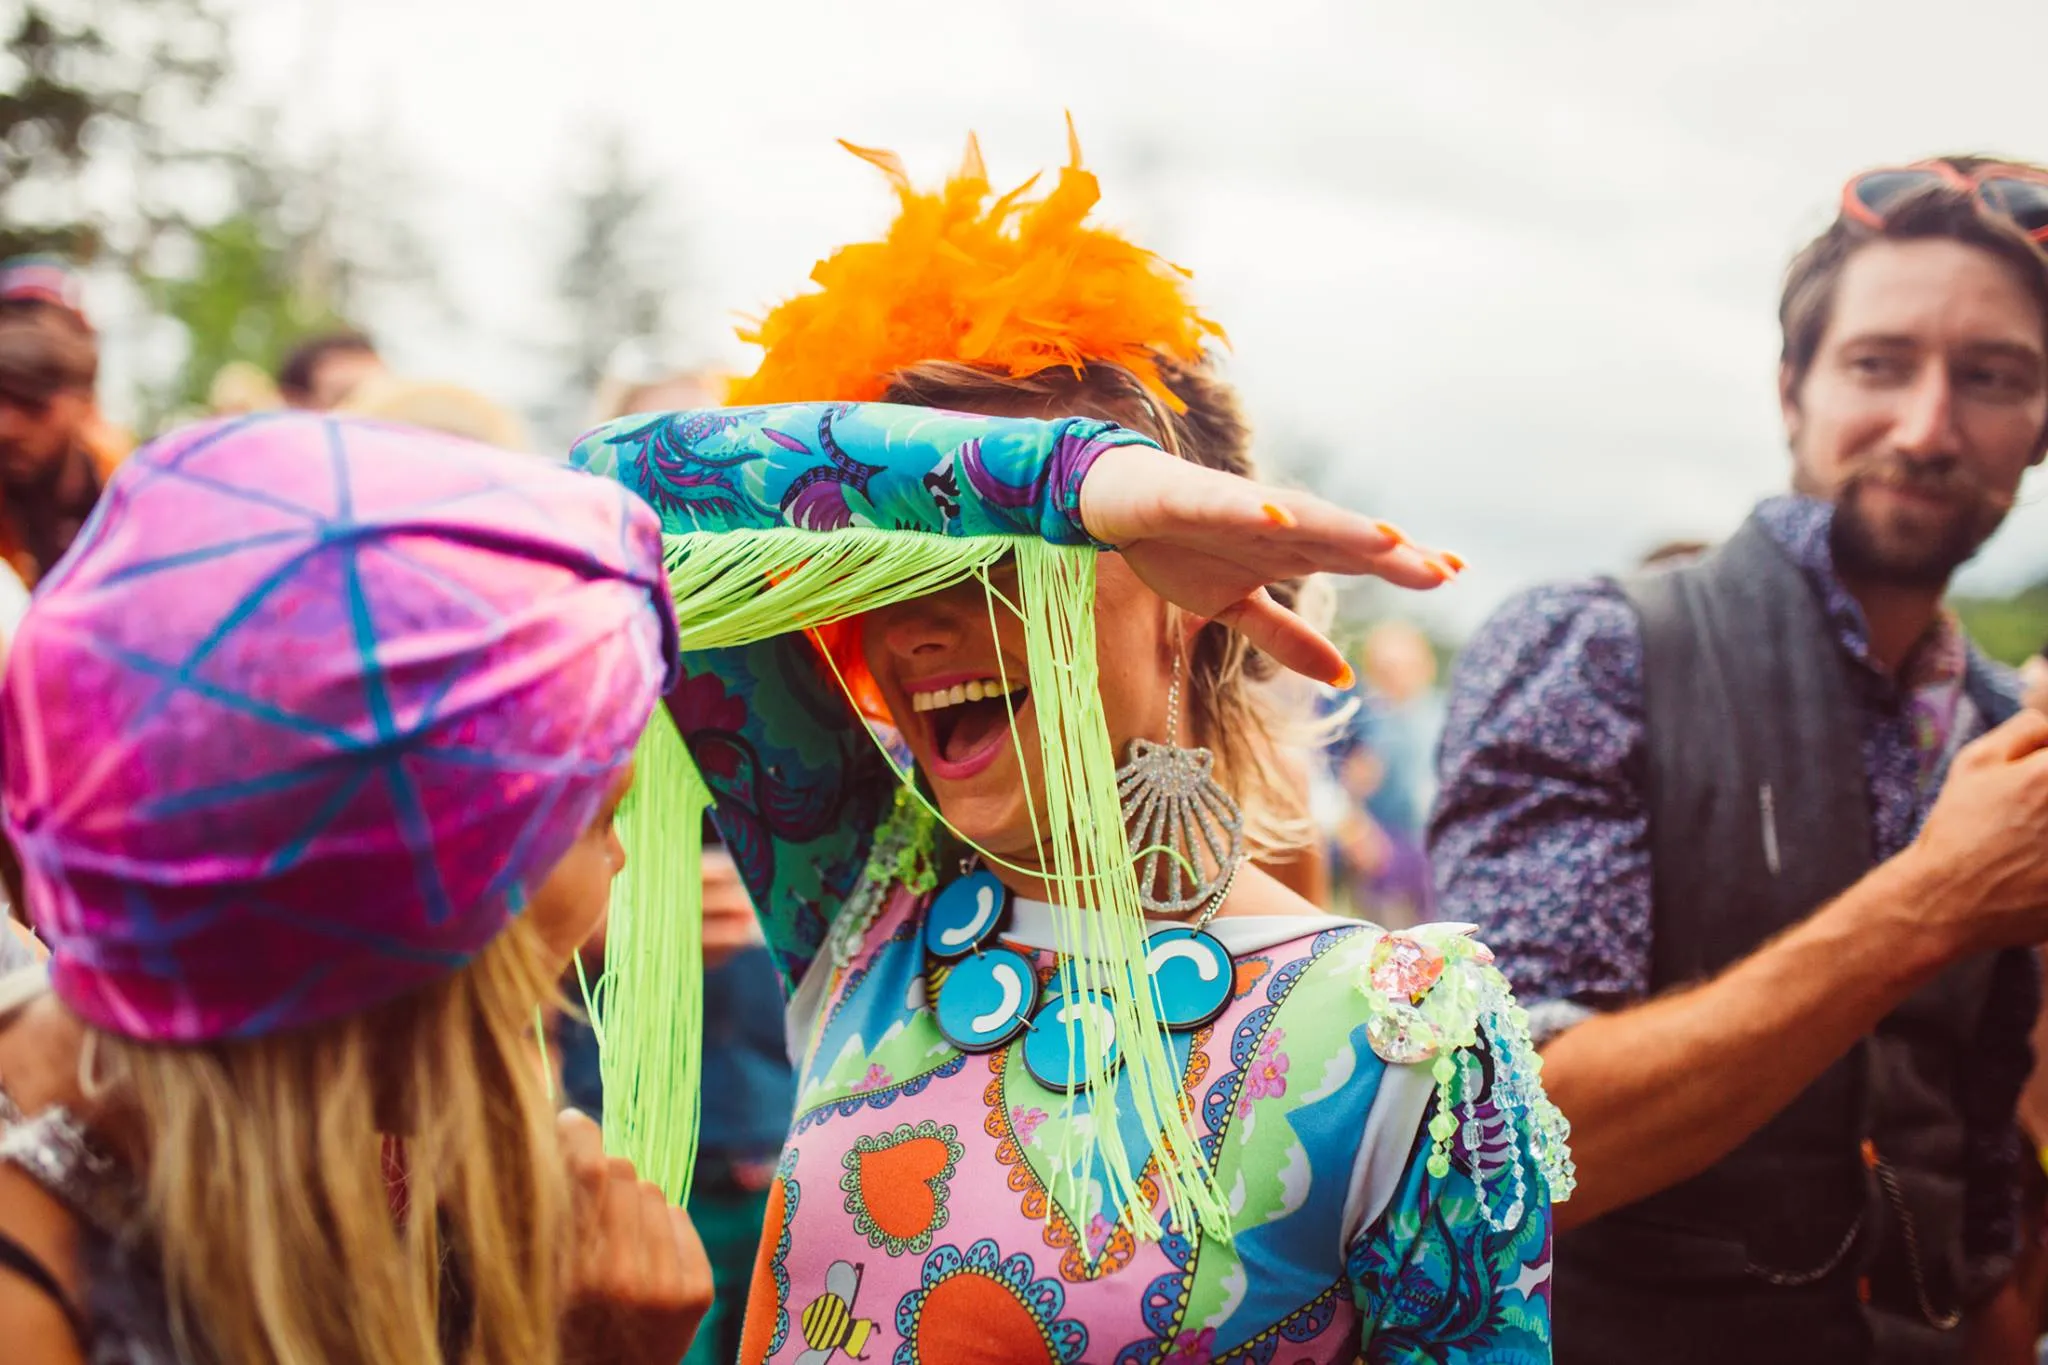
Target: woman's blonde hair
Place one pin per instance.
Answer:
(1229, 711)
(286, 1235)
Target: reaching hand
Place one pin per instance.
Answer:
(640, 1281)
(2034, 678)
(1211, 542)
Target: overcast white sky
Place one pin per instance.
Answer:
(1511, 269)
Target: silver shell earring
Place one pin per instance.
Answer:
(1186, 833)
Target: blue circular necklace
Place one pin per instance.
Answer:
(986, 994)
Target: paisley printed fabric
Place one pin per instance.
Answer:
(927, 1209)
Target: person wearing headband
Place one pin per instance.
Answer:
(1077, 1080)
(313, 746)
(1763, 843)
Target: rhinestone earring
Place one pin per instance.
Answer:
(1186, 833)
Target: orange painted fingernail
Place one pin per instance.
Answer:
(1455, 561)
(1280, 516)
(1344, 679)
(1443, 574)
(1391, 532)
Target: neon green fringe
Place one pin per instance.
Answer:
(737, 587)
(648, 1008)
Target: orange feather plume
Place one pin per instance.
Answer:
(1016, 284)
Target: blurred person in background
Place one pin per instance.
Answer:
(638, 379)
(1387, 768)
(446, 408)
(51, 468)
(323, 370)
(46, 287)
(749, 1088)
(56, 446)
(240, 388)
(1763, 844)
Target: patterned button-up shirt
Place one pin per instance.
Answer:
(1541, 830)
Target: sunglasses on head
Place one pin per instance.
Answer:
(2017, 193)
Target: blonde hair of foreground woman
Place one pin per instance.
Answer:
(257, 1160)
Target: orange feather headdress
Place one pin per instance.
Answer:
(1018, 285)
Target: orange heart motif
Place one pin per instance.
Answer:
(897, 1184)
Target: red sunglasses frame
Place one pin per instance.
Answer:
(1971, 182)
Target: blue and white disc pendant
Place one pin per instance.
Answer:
(1058, 1032)
(1192, 976)
(966, 914)
(986, 999)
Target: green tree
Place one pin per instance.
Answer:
(306, 245)
(238, 302)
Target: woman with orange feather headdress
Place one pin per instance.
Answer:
(1078, 1080)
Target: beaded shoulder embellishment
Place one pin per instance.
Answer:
(902, 853)
(1433, 995)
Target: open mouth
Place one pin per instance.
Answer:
(969, 723)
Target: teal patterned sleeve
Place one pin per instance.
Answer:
(1447, 1277)
(798, 783)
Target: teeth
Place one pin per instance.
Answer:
(984, 689)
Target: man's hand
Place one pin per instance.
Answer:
(729, 920)
(2034, 679)
(1986, 840)
(640, 1282)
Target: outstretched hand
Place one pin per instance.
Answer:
(1211, 542)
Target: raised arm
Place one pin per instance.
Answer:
(798, 786)
(824, 466)
(798, 782)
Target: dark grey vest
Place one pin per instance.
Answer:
(1834, 1233)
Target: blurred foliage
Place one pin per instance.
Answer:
(120, 150)
(2008, 628)
(304, 248)
(102, 104)
(239, 301)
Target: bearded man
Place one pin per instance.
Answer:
(1762, 838)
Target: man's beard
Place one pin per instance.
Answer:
(1867, 551)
